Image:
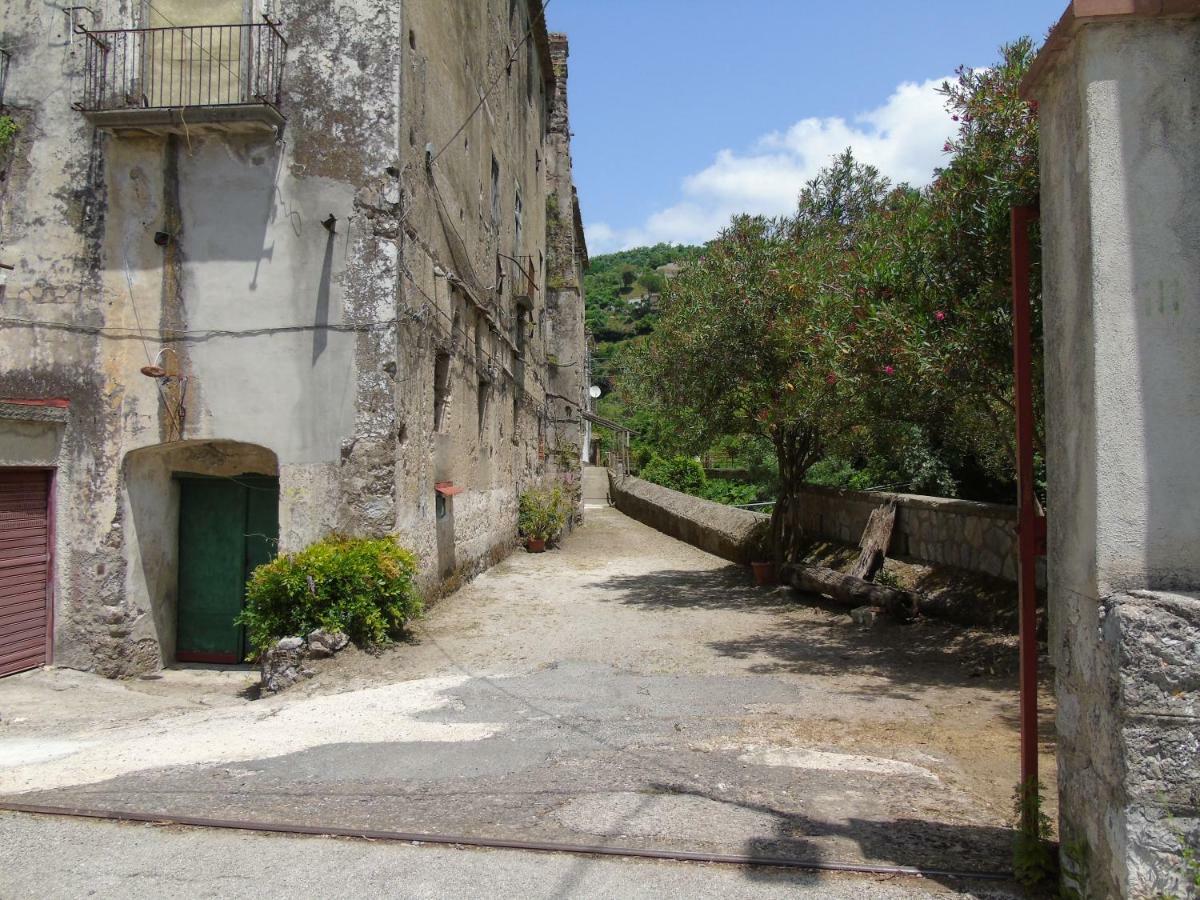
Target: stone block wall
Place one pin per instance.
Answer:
(1129, 743)
(725, 531)
(978, 537)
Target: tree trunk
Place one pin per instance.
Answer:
(795, 448)
(852, 591)
(876, 538)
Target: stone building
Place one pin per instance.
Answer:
(279, 268)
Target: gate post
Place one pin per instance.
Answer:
(1118, 90)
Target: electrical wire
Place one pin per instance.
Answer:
(175, 418)
(182, 335)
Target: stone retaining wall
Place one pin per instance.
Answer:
(978, 537)
(733, 534)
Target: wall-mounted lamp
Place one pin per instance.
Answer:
(330, 224)
(156, 369)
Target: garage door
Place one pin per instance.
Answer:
(24, 569)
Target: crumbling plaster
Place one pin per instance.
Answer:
(315, 344)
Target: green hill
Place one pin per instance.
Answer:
(621, 292)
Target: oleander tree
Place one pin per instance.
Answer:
(875, 320)
(751, 335)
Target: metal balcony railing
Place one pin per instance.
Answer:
(191, 66)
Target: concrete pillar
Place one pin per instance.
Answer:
(1119, 91)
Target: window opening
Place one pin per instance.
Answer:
(495, 192)
(441, 391)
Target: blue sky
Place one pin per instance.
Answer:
(685, 111)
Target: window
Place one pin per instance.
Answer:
(478, 338)
(484, 392)
(495, 193)
(530, 65)
(517, 213)
(519, 337)
(441, 391)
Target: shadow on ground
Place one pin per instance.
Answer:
(817, 637)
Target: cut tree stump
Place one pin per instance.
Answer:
(852, 591)
(876, 538)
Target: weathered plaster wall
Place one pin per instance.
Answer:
(259, 305)
(1120, 115)
(978, 537)
(724, 531)
(51, 227)
(501, 429)
(314, 344)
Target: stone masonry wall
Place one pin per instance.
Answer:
(724, 531)
(978, 537)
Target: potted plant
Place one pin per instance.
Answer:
(762, 562)
(764, 572)
(541, 516)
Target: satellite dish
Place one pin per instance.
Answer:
(594, 391)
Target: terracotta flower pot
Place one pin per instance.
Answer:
(764, 572)
(535, 545)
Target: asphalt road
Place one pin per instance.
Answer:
(626, 690)
(48, 857)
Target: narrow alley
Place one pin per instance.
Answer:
(620, 691)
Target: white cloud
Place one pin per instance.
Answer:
(903, 138)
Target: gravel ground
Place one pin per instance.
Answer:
(626, 689)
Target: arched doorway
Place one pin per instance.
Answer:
(204, 514)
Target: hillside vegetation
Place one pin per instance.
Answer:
(621, 287)
(623, 292)
(863, 341)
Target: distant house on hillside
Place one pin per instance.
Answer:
(670, 270)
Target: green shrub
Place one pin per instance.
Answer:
(1035, 862)
(8, 131)
(731, 493)
(362, 586)
(542, 513)
(679, 473)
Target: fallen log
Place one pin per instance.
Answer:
(852, 591)
(876, 539)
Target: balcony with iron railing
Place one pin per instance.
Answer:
(162, 80)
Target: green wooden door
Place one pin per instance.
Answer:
(226, 528)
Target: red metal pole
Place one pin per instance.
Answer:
(1031, 526)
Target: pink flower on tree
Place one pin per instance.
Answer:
(940, 316)
(831, 378)
(889, 370)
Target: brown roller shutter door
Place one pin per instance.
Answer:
(24, 569)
